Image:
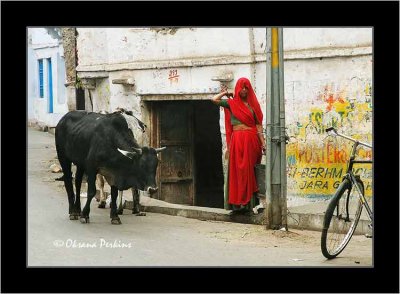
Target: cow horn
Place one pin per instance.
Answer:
(127, 153)
(160, 149)
(137, 150)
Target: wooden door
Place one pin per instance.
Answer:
(175, 131)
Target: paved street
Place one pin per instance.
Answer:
(156, 239)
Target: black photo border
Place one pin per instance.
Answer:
(382, 16)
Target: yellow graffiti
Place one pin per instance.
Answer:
(317, 164)
(342, 106)
(363, 107)
(322, 179)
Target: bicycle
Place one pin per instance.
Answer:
(344, 210)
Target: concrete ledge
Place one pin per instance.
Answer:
(315, 222)
(197, 212)
(312, 221)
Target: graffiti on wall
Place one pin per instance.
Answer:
(316, 163)
(173, 76)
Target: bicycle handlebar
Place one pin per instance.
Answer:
(334, 131)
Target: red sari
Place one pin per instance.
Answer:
(244, 146)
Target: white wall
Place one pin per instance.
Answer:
(40, 38)
(135, 44)
(101, 95)
(32, 85)
(313, 38)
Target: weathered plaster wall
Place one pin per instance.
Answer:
(323, 92)
(138, 48)
(32, 86)
(137, 44)
(124, 96)
(93, 46)
(101, 95)
(314, 38)
(68, 37)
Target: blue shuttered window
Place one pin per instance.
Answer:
(50, 85)
(41, 91)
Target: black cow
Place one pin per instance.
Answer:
(104, 144)
(138, 127)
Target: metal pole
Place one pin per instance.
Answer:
(276, 151)
(283, 198)
(268, 112)
(275, 171)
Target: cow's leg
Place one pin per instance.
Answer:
(91, 192)
(136, 203)
(115, 220)
(120, 207)
(100, 183)
(66, 167)
(78, 184)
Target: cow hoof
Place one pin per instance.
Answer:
(73, 217)
(102, 205)
(140, 214)
(120, 211)
(116, 221)
(84, 220)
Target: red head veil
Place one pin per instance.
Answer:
(240, 110)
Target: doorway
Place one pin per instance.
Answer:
(190, 171)
(80, 99)
(208, 155)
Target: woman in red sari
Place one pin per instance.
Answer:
(245, 141)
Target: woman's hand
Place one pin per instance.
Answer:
(224, 92)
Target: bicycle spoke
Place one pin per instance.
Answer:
(343, 223)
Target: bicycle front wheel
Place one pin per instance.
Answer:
(341, 218)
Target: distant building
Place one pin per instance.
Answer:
(46, 78)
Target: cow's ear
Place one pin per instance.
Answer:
(128, 154)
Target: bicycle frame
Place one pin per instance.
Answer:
(349, 171)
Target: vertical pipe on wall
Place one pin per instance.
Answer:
(268, 112)
(275, 127)
(283, 197)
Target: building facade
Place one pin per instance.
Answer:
(167, 76)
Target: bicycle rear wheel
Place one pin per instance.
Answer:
(341, 219)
